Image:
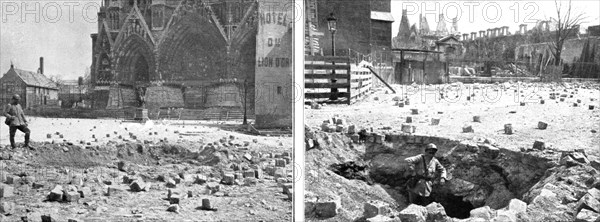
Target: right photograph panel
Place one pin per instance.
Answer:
(451, 110)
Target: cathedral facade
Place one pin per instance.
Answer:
(192, 54)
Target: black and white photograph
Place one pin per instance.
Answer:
(421, 111)
(146, 110)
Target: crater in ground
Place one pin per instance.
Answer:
(479, 174)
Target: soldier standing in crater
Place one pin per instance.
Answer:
(423, 168)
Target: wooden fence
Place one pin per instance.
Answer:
(328, 77)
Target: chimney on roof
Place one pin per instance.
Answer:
(42, 65)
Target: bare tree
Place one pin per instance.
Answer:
(567, 24)
(244, 88)
(58, 79)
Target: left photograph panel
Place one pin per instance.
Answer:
(146, 110)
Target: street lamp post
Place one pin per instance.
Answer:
(332, 25)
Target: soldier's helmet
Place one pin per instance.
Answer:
(431, 146)
(16, 97)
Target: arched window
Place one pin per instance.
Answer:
(158, 18)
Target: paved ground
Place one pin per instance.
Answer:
(75, 130)
(569, 127)
(191, 148)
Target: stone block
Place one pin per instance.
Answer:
(121, 166)
(327, 207)
(436, 212)
(249, 173)
(56, 194)
(171, 183)
(505, 216)
(200, 179)
(508, 129)
(173, 208)
(351, 129)
(579, 157)
(279, 172)
(542, 125)
(287, 187)
(340, 129)
(72, 196)
(270, 170)
(258, 173)
(48, 218)
(539, 145)
(591, 107)
(206, 204)
(374, 208)
(85, 192)
(248, 157)
(175, 198)
(467, 129)
(406, 128)
(588, 201)
(280, 163)
(250, 181)
(228, 179)
(6, 191)
(213, 187)
(238, 176)
(517, 206)
(138, 185)
(482, 212)
(115, 191)
(586, 215)
(409, 119)
(414, 111)
(355, 138)
(381, 218)
(435, 121)
(10, 179)
(310, 143)
(413, 212)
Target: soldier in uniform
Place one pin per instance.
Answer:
(423, 168)
(15, 119)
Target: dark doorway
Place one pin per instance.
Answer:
(140, 69)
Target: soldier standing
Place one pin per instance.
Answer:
(423, 167)
(15, 119)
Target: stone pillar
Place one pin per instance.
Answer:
(481, 33)
(473, 35)
(465, 37)
(523, 29)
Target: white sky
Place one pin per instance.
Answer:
(60, 34)
(481, 15)
(64, 41)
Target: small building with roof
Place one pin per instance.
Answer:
(34, 87)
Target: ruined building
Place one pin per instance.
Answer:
(211, 55)
(529, 50)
